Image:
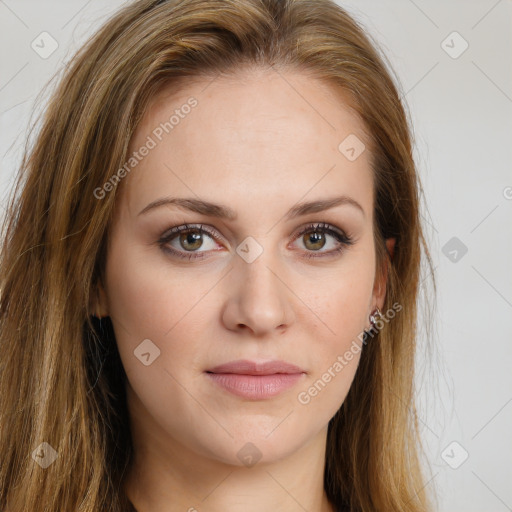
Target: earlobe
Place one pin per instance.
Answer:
(390, 246)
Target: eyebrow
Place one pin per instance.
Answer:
(225, 212)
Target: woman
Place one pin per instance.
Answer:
(209, 277)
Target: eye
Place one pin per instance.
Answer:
(187, 238)
(185, 241)
(313, 238)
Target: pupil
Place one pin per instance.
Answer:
(189, 239)
(316, 238)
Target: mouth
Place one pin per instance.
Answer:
(256, 380)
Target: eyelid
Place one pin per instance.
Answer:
(321, 226)
(186, 227)
(214, 233)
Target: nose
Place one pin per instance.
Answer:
(258, 299)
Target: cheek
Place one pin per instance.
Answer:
(340, 302)
(340, 305)
(337, 352)
(149, 299)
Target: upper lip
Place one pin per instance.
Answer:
(247, 367)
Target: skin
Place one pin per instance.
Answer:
(259, 142)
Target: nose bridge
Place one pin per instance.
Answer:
(259, 279)
(259, 299)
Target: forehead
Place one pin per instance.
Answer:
(259, 134)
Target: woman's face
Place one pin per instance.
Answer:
(259, 284)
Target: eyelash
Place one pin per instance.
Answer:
(343, 239)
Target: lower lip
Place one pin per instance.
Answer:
(256, 387)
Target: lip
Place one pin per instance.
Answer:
(247, 367)
(256, 380)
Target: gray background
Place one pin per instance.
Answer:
(461, 108)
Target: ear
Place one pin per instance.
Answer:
(98, 301)
(379, 287)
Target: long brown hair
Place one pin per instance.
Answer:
(61, 379)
